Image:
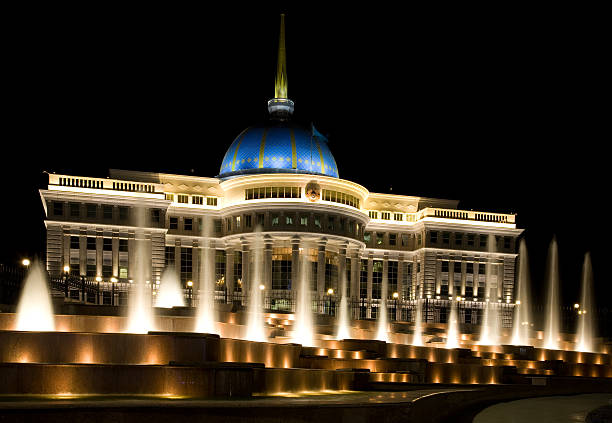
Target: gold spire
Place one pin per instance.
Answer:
(280, 86)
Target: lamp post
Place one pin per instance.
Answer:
(26, 263)
(330, 292)
(113, 282)
(395, 297)
(66, 270)
(190, 291)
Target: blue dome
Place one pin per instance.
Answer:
(278, 147)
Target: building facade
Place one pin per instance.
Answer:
(277, 204)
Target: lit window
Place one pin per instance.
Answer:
(169, 197)
(183, 199)
(304, 221)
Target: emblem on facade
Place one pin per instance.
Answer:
(313, 191)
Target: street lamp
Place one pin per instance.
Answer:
(114, 281)
(395, 297)
(66, 270)
(190, 290)
(25, 262)
(330, 292)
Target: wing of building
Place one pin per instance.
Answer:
(279, 182)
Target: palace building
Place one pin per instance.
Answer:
(279, 189)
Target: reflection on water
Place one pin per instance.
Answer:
(559, 409)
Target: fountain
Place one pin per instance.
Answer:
(205, 313)
(490, 329)
(304, 329)
(255, 321)
(452, 335)
(552, 326)
(417, 337)
(381, 329)
(522, 318)
(344, 324)
(586, 312)
(34, 310)
(140, 307)
(170, 293)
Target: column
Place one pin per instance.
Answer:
(321, 268)
(369, 285)
(229, 273)
(245, 269)
(268, 263)
(342, 279)
(295, 264)
(355, 265)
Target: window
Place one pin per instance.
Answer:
(248, 220)
(274, 220)
(260, 219)
(377, 276)
(218, 226)
(107, 212)
(373, 214)
(211, 201)
(107, 244)
(183, 199)
(188, 224)
(170, 254)
(367, 237)
(304, 221)
(445, 238)
(433, 237)
(507, 242)
(123, 213)
(469, 268)
(444, 266)
(385, 216)
(174, 223)
(392, 278)
(155, 215)
(419, 240)
(398, 216)
(379, 238)
(186, 265)
(317, 221)
(169, 197)
(470, 240)
(272, 192)
(289, 220)
(228, 224)
(363, 279)
(197, 199)
(392, 239)
(74, 242)
(220, 270)
(404, 240)
(75, 209)
(340, 197)
(457, 267)
(238, 222)
(123, 245)
(482, 269)
(58, 208)
(281, 268)
(483, 241)
(92, 210)
(458, 239)
(91, 243)
(330, 223)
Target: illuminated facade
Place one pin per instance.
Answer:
(280, 182)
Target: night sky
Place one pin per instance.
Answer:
(498, 108)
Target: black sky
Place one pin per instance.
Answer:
(503, 109)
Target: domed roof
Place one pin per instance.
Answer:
(278, 147)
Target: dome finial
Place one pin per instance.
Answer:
(280, 107)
